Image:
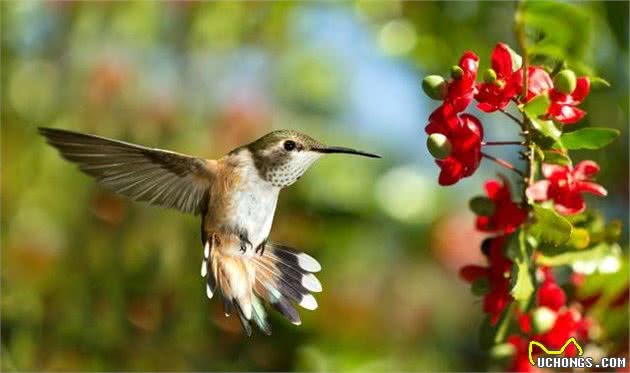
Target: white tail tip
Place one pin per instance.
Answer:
(308, 302)
(209, 292)
(204, 268)
(308, 263)
(310, 282)
(206, 250)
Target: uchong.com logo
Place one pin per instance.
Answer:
(553, 358)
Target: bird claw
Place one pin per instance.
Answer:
(261, 248)
(245, 244)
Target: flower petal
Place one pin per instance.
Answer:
(452, 171)
(469, 62)
(538, 190)
(565, 114)
(502, 61)
(552, 171)
(570, 204)
(492, 187)
(582, 88)
(471, 273)
(486, 107)
(589, 187)
(538, 81)
(585, 170)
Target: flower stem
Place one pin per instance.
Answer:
(503, 163)
(528, 176)
(492, 143)
(515, 119)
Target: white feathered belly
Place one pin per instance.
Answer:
(252, 210)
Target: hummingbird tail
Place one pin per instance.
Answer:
(234, 276)
(284, 276)
(278, 276)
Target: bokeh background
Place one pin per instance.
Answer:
(91, 281)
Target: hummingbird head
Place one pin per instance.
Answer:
(283, 156)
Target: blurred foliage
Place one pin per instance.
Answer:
(91, 281)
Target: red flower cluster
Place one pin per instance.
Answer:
(497, 94)
(552, 323)
(563, 106)
(497, 274)
(464, 132)
(508, 215)
(565, 185)
(502, 84)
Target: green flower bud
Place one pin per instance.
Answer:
(456, 72)
(543, 319)
(480, 287)
(502, 351)
(482, 206)
(439, 146)
(489, 76)
(565, 81)
(434, 86)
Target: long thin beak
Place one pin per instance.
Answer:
(341, 149)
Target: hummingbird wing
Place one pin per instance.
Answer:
(160, 177)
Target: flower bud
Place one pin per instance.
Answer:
(434, 86)
(489, 76)
(439, 146)
(480, 287)
(482, 206)
(456, 72)
(543, 319)
(565, 81)
(502, 351)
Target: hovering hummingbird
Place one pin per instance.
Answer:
(236, 197)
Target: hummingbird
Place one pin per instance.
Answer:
(236, 198)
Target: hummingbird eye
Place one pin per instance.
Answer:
(289, 145)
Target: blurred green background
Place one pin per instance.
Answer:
(91, 281)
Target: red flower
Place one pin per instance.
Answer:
(497, 94)
(520, 363)
(569, 323)
(461, 91)
(507, 215)
(498, 275)
(538, 82)
(565, 184)
(551, 295)
(563, 106)
(465, 134)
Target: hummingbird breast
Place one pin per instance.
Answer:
(241, 201)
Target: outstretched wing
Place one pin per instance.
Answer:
(161, 177)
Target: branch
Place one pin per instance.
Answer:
(515, 119)
(491, 143)
(503, 163)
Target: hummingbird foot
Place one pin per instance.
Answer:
(261, 248)
(245, 243)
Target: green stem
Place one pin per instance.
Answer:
(503, 163)
(519, 29)
(494, 143)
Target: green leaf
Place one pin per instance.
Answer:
(597, 252)
(550, 227)
(482, 206)
(523, 285)
(556, 157)
(537, 106)
(546, 128)
(589, 138)
(491, 335)
(596, 81)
